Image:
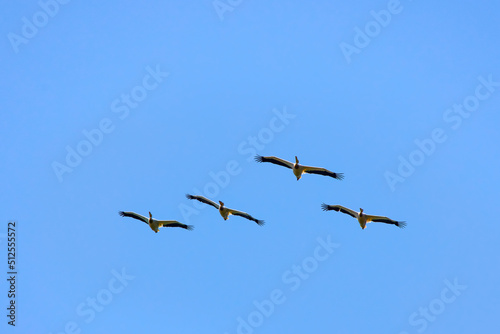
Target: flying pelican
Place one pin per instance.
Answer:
(225, 212)
(362, 217)
(297, 169)
(153, 223)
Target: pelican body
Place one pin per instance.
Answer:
(224, 212)
(299, 169)
(363, 218)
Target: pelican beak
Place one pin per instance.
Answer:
(221, 203)
(150, 215)
(296, 160)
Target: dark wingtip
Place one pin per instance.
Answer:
(401, 224)
(121, 213)
(339, 176)
(260, 222)
(189, 196)
(324, 207)
(259, 158)
(189, 227)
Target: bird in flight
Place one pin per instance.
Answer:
(363, 218)
(153, 223)
(298, 169)
(225, 212)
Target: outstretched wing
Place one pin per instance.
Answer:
(340, 208)
(274, 160)
(381, 219)
(174, 223)
(247, 216)
(133, 215)
(323, 171)
(203, 200)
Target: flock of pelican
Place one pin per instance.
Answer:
(297, 170)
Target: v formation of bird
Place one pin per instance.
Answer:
(298, 170)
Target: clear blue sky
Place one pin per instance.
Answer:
(176, 97)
